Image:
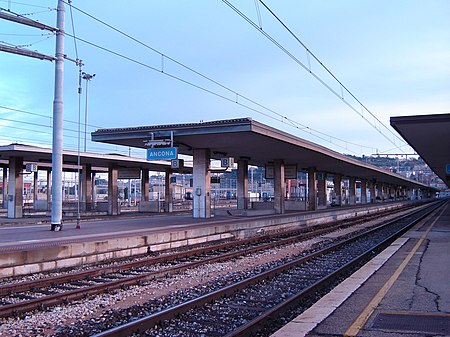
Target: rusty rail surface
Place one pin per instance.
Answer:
(145, 323)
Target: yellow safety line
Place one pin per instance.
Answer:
(358, 324)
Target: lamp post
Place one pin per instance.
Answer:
(86, 77)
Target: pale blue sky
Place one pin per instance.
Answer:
(394, 56)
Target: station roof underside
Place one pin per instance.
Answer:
(429, 135)
(43, 157)
(258, 143)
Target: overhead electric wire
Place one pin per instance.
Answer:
(73, 30)
(33, 43)
(40, 12)
(28, 130)
(236, 97)
(34, 124)
(258, 13)
(25, 4)
(326, 69)
(48, 143)
(163, 56)
(284, 119)
(44, 116)
(37, 131)
(26, 35)
(281, 47)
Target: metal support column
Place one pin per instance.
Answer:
(58, 110)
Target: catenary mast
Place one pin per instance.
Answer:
(58, 107)
(58, 110)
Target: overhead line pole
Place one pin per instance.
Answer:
(58, 110)
(58, 107)
(88, 78)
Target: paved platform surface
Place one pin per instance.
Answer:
(37, 229)
(29, 245)
(403, 292)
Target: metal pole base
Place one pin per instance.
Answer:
(56, 227)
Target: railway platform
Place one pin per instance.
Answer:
(28, 245)
(404, 291)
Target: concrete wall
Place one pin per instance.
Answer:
(149, 206)
(262, 205)
(103, 206)
(292, 205)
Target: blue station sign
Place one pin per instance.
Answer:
(163, 153)
(447, 169)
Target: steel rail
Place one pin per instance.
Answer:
(25, 286)
(293, 301)
(150, 321)
(14, 309)
(293, 235)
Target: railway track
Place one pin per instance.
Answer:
(18, 298)
(246, 306)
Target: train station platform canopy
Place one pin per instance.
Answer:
(257, 143)
(43, 157)
(15, 157)
(429, 135)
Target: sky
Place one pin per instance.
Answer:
(183, 61)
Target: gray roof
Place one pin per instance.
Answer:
(260, 144)
(429, 135)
